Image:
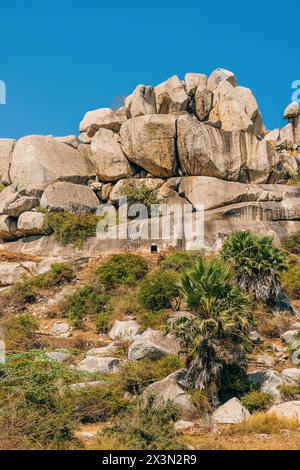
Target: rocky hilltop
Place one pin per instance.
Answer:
(200, 140)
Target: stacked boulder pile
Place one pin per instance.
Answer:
(200, 140)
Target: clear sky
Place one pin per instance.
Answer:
(62, 58)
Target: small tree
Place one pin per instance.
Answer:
(214, 335)
(257, 265)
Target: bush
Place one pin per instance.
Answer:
(155, 319)
(291, 281)
(60, 274)
(292, 243)
(160, 290)
(263, 423)
(289, 392)
(178, 261)
(147, 427)
(19, 332)
(257, 401)
(90, 300)
(123, 269)
(93, 404)
(71, 229)
(136, 376)
(233, 382)
(143, 195)
(31, 405)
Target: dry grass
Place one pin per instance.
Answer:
(11, 256)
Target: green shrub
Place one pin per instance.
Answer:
(144, 196)
(71, 229)
(160, 290)
(155, 319)
(31, 405)
(60, 274)
(234, 382)
(122, 269)
(147, 427)
(257, 401)
(178, 261)
(291, 281)
(104, 320)
(136, 376)
(292, 243)
(92, 404)
(289, 392)
(90, 300)
(19, 332)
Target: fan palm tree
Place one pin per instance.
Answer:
(219, 328)
(257, 265)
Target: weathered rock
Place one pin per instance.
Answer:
(183, 425)
(20, 205)
(247, 101)
(265, 360)
(289, 336)
(171, 96)
(268, 381)
(255, 337)
(63, 196)
(289, 164)
(119, 190)
(10, 272)
(124, 330)
(108, 158)
(236, 156)
(203, 102)
(193, 80)
(58, 356)
(105, 191)
(108, 350)
(291, 373)
(149, 141)
(287, 134)
(289, 410)
(31, 223)
(104, 118)
(232, 412)
(170, 389)
(8, 196)
(214, 193)
(292, 110)
(41, 159)
(228, 107)
(84, 138)
(62, 330)
(295, 358)
(218, 76)
(272, 136)
(83, 385)
(8, 228)
(152, 344)
(141, 101)
(104, 365)
(6, 150)
(71, 140)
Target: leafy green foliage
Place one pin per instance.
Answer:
(143, 195)
(256, 263)
(71, 229)
(159, 290)
(122, 269)
(220, 324)
(234, 382)
(19, 332)
(90, 300)
(147, 427)
(292, 243)
(291, 280)
(257, 401)
(178, 261)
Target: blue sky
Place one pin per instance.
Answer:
(60, 59)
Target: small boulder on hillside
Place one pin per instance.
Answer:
(104, 365)
(289, 410)
(292, 110)
(31, 223)
(124, 330)
(141, 101)
(232, 412)
(170, 389)
(104, 118)
(153, 344)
